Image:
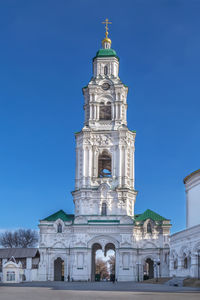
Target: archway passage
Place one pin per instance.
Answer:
(148, 269)
(103, 263)
(59, 269)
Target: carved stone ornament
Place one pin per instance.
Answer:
(102, 140)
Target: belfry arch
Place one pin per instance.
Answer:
(105, 164)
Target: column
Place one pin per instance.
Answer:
(120, 165)
(97, 112)
(113, 112)
(116, 112)
(84, 165)
(77, 168)
(90, 164)
(113, 162)
(125, 166)
(90, 112)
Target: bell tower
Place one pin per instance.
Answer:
(105, 179)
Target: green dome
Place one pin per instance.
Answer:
(106, 53)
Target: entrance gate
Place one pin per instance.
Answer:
(108, 264)
(59, 269)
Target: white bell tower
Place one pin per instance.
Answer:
(105, 146)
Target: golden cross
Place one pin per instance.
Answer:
(106, 22)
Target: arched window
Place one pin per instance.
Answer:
(105, 70)
(104, 165)
(185, 262)
(149, 230)
(105, 111)
(175, 263)
(59, 228)
(104, 209)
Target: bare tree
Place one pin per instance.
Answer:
(111, 262)
(21, 238)
(101, 268)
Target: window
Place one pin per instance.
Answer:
(10, 276)
(104, 209)
(105, 70)
(175, 263)
(105, 111)
(149, 230)
(104, 165)
(59, 230)
(185, 262)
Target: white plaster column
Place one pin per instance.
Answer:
(132, 153)
(113, 112)
(125, 165)
(90, 163)
(97, 112)
(116, 112)
(77, 168)
(113, 162)
(120, 165)
(90, 112)
(84, 165)
(117, 263)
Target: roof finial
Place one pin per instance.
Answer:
(106, 43)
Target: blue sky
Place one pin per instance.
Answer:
(46, 55)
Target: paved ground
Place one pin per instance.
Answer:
(95, 291)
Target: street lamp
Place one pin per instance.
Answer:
(157, 266)
(68, 277)
(198, 263)
(138, 271)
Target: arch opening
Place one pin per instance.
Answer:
(105, 111)
(103, 263)
(104, 165)
(59, 269)
(148, 269)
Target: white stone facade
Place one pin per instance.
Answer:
(185, 245)
(185, 253)
(104, 194)
(192, 189)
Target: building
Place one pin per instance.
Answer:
(19, 264)
(185, 245)
(104, 194)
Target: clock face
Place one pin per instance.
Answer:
(105, 86)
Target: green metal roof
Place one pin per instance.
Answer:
(149, 214)
(59, 215)
(106, 53)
